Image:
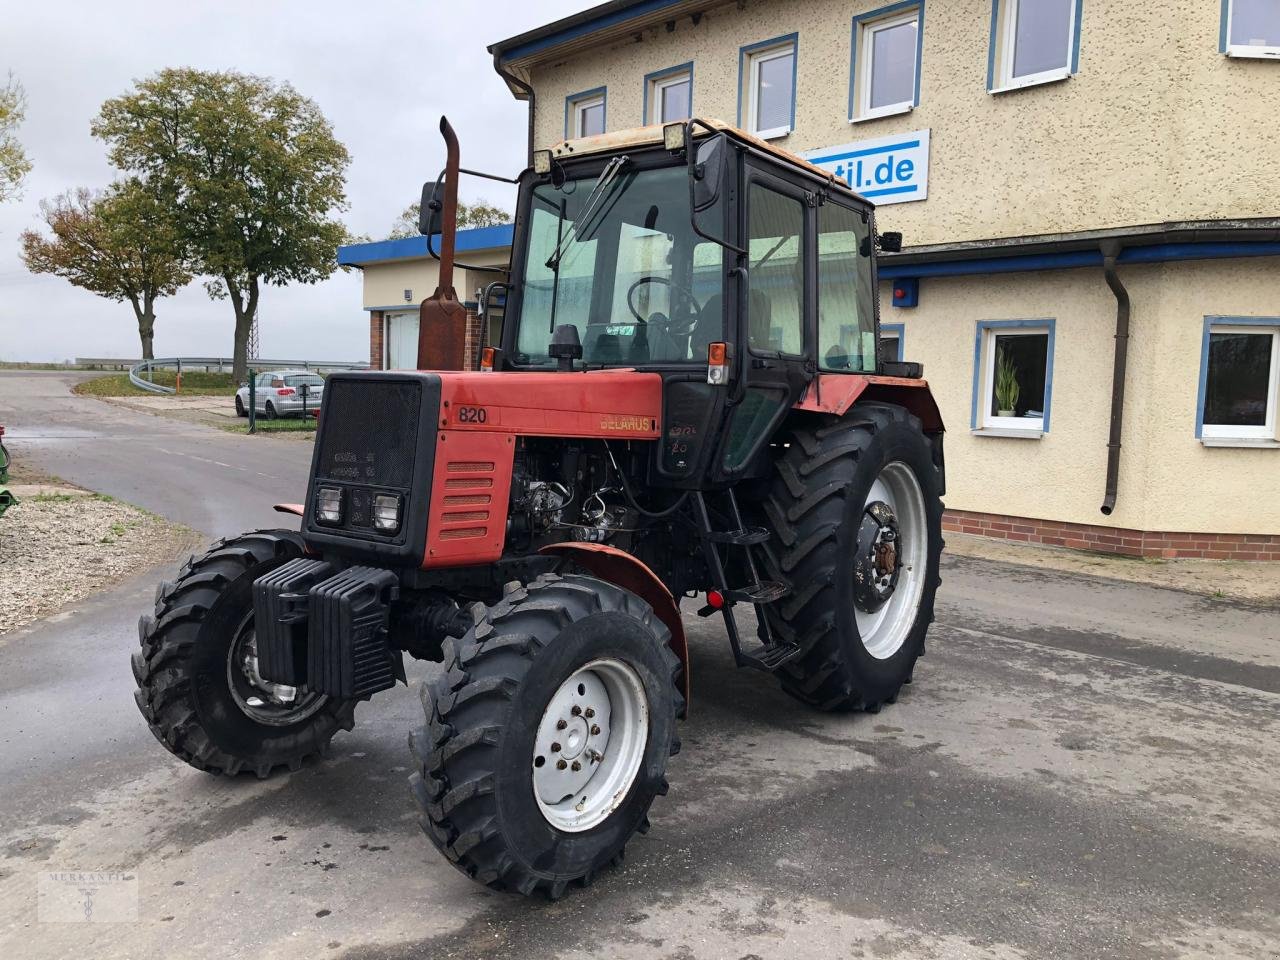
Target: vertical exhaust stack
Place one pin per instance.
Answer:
(442, 319)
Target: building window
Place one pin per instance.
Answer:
(1032, 41)
(1013, 377)
(584, 114)
(891, 337)
(1239, 372)
(885, 77)
(1250, 28)
(668, 95)
(767, 78)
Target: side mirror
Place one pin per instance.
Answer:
(710, 173)
(891, 242)
(429, 209)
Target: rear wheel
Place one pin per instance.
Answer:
(198, 682)
(271, 410)
(856, 517)
(547, 736)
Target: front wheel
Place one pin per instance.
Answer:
(240, 410)
(547, 735)
(856, 516)
(198, 682)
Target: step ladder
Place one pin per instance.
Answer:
(772, 652)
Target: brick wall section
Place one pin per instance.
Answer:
(375, 339)
(1131, 543)
(472, 361)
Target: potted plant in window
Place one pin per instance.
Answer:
(1006, 386)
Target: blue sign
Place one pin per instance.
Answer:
(886, 170)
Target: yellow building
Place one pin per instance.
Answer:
(1064, 173)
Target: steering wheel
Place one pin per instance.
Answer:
(684, 329)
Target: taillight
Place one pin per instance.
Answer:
(718, 357)
(285, 392)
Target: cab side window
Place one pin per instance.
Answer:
(846, 298)
(775, 306)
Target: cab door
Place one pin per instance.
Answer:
(775, 307)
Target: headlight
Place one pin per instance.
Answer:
(329, 505)
(386, 512)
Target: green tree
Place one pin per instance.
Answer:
(13, 162)
(478, 214)
(121, 245)
(250, 170)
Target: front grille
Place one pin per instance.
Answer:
(377, 435)
(369, 432)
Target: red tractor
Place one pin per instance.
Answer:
(686, 402)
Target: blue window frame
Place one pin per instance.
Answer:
(883, 77)
(765, 107)
(659, 84)
(1033, 46)
(1250, 28)
(893, 331)
(1026, 346)
(1239, 390)
(585, 113)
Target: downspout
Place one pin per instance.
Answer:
(513, 80)
(1110, 252)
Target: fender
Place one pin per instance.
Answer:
(837, 392)
(621, 568)
(294, 508)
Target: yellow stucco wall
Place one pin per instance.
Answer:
(1157, 126)
(385, 283)
(1169, 481)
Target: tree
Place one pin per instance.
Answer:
(13, 162)
(478, 214)
(120, 245)
(250, 171)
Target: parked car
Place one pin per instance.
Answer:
(282, 393)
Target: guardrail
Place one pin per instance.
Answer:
(209, 364)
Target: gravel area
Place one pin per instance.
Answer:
(59, 547)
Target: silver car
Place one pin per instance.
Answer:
(282, 393)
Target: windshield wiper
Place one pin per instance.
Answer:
(595, 200)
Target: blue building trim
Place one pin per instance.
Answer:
(864, 19)
(409, 248)
(586, 28)
(975, 422)
(1156, 253)
(649, 78)
(898, 329)
(1223, 39)
(998, 6)
(743, 76)
(573, 98)
(1209, 324)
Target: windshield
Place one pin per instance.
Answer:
(616, 257)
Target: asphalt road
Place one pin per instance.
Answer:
(1082, 768)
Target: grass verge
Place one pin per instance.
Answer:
(194, 383)
(283, 425)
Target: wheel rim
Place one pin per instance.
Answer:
(590, 744)
(273, 704)
(896, 558)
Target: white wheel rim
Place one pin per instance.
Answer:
(884, 631)
(598, 723)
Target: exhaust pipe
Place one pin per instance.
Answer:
(442, 319)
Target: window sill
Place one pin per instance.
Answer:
(1261, 443)
(1039, 80)
(1254, 53)
(773, 133)
(883, 112)
(1007, 432)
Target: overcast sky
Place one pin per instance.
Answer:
(382, 72)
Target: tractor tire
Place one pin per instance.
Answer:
(817, 509)
(198, 686)
(558, 659)
(240, 410)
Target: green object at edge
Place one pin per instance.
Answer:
(7, 500)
